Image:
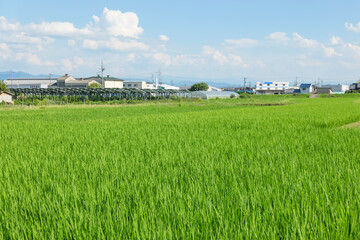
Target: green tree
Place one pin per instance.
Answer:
(94, 85)
(3, 86)
(199, 87)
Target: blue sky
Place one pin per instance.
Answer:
(221, 41)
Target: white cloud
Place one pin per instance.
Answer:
(278, 36)
(242, 43)
(236, 60)
(164, 38)
(67, 64)
(112, 23)
(207, 50)
(71, 43)
(90, 44)
(131, 57)
(5, 52)
(29, 58)
(118, 23)
(5, 25)
(304, 42)
(55, 29)
(215, 55)
(354, 49)
(336, 40)
(351, 27)
(115, 44)
(220, 58)
(329, 51)
(162, 58)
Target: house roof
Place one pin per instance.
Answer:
(105, 78)
(296, 90)
(8, 93)
(306, 85)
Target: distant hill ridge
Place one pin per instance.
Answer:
(7, 75)
(177, 81)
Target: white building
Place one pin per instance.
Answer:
(307, 88)
(30, 82)
(271, 87)
(139, 84)
(166, 86)
(108, 82)
(337, 88)
(212, 88)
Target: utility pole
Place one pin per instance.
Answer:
(152, 78)
(50, 74)
(159, 77)
(244, 84)
(172, 82)
(11, 79)
(102, 73)
(296, 80)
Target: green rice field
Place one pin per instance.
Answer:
(264, 167)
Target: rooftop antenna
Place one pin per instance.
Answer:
(102, 73)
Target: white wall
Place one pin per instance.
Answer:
(113, 84)
(6, 98)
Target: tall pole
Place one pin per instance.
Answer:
(50, 78)
(296, 80)
(11, 79)
(102, 73)
(244, 84)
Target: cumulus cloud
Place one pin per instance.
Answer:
(162, 58)
(352, 27)
(4, 51)
(118, 23)
(242, 43)
(115, 44)
(5, 25)
(71, 43)
(164, 38)
(304, 42)
(336, 40)
(278, 36)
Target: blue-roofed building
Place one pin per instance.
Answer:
(307, 88)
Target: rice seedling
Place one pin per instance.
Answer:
(208, 170)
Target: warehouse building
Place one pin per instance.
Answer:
(139, 85)
(67, 81)
(30, 82)
(338, 88)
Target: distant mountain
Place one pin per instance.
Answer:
(7, 75)
(177, 81)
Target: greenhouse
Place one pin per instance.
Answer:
(213, 94)
(99, 93)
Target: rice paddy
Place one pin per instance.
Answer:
(267, 167)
